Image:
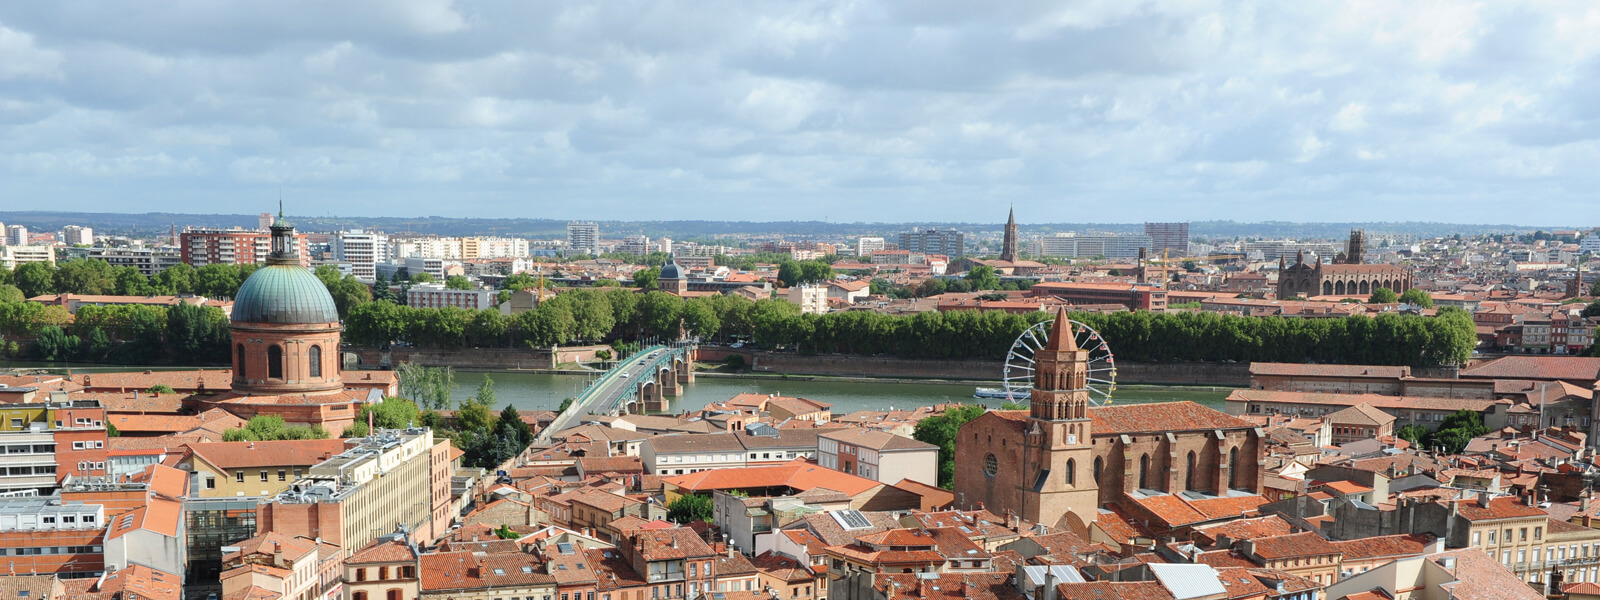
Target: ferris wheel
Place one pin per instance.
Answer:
(1018, 376)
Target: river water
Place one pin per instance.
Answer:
(542, 391)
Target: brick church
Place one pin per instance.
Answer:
(1062, 459)
(1346, 276)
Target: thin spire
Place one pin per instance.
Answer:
(1011, 218)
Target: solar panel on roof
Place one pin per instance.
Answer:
(851, 519)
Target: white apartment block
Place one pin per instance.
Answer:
(363, 250)
(583, 237)
(867, 245)
(16, 235)
(11, 256)
(74, 235)
(433, 295)
(1070, 245)
(811, 298)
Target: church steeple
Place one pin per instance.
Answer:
(284, 250)
(1008, 247)
(1060, 375)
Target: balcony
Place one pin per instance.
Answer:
(1545, 565)
(666, 576)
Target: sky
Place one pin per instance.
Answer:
(923, 110)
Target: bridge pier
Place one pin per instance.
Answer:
(669, 383)
(685, 368)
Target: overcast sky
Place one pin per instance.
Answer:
(852, 111)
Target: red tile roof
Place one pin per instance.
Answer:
(798, 474)
(1387, 546)
(245, 455)
(1570, 368)
(1504, 507)
(1161, 417)
(1292, 546)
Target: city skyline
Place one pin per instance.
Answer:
(863, 112)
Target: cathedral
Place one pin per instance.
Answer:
(1346, 276)
(1061, 460)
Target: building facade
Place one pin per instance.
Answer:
(583, 237)
(1169, 238)
(208, 246)
(948, 242)
(362, 249)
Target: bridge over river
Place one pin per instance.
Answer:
(640, 383)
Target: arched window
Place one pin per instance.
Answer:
(1144, 471)
(360, 596)
(394, 594)
(1099, 467)
(274, 362)
(1338, 288)
(1188, 473)
(1327, 288)
(1364, 287)
(991, 465)
(316, 361)
(1233, 468)
(1072, 472)
(240, 366)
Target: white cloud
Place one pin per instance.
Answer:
(1194, 109)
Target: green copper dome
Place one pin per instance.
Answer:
(284, 293)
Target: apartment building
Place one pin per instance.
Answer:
(1070, 245)
(75, 235)
(11, 256)
(1172, 238)
(16, 235)
(200, 246)
(362, 249)
(583, 237)
(866, 246)
(45, 442)
(253, 469)
(434, 295)
(148, 261)
(47, 535)
(879, 456)
(948, 242)
(384, 481)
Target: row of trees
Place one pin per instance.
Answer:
(586, 315)
(127, 334)
(599, 316)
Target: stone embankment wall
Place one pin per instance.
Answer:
(479, 358)
(1201, 373)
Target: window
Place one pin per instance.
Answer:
(316, 361)
(263, 475)
(991, 465)
(283, 475)
(211, 483)
(1072, 472)
(1188, 474)
(239, 368)
(361, 575)
(1099, 466)
(274, 362)
(1523, 535)
(238, 476)
(1477, 538)
(77, 445)
(1144, 471)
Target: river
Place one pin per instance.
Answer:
(541, 391)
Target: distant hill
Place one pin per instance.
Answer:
(154, 223)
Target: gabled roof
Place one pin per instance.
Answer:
(1361, 414)
(279, 453)
(1161, 417)
(797, 474)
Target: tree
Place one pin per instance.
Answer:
(10, 293)
(645, 279)
(941, 431)
(1457, 430)
(217, 280)
(457, 282)
(485, 395)
(511, 425)
(518, 281)
(789, 274)
(473, 416)
(84, 276)
(1413, 433)
(55, 344)
(176, 279)
(1383, 295)
(429, 387)
(982, 277)
(1417, 297)
(161, 388)
(688, 509)
(423, 277)
(813, 271)
(263, 428)
(391, 413)
(35, 278)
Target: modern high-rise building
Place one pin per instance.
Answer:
(1172, 238)
(264, 221)
(74, 235)
(16, 235)
(1067, 245)
(948, 242)
(865, 246)
(362, 249)
(583, 237)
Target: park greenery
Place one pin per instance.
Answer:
(1453, 434)
(486, 438)
(940, 430)
(689, 508)
(266, 428)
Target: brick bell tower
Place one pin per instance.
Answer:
(1056, 477)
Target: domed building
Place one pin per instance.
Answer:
(673, 278)
(285, 326)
